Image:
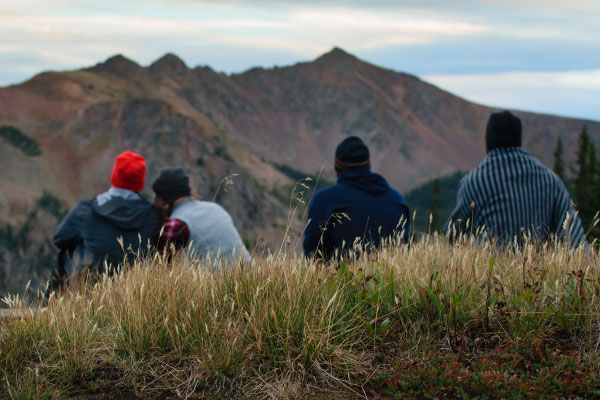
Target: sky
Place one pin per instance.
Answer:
(534, 55)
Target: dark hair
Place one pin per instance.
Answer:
(503, 130)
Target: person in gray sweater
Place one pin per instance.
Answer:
(203, 228)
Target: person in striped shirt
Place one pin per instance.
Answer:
(511, 197)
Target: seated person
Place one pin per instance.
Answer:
(112, 226)
(360, 206)
(203, 227)
(511, 194)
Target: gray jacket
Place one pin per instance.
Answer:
(212, 233)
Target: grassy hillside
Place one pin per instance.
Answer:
(429, 320)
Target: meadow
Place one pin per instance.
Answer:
(427, 319)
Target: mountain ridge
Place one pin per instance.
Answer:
(250, 124)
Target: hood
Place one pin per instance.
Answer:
(126, 215)
(365, 180)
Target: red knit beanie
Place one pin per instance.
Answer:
(129, 172)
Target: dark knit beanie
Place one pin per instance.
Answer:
(503, 130)
(172, 183)
(351, 153)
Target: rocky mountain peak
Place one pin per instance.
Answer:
(169, 64)
(336, 56)
(118, 65)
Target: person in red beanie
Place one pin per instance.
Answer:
(109, 228)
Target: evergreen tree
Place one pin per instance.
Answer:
(586, 182)
(559, 163)
(594, 199)
(434, 208)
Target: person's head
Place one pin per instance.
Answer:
(503, 130)
(171, 184)
(351, 153)
(129, 172)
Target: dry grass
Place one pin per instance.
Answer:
(287, 327)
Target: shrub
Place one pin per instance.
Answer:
(16, 138)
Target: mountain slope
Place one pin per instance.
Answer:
(255, 124)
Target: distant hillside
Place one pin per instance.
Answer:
(419, 200)
(60, 132)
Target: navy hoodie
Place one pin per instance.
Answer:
(361, 205)
(96, 227)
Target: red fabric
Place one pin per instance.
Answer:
(129, 172)
(173, 231)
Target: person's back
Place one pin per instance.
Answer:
(115, 224)
(212, 232)
(361, 206)
(117, 227)
(203, 228)
(511, 194)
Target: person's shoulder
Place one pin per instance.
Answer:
(85, 202)
(395, 194)
(328, 193)
(536, 165)
(559, 186)
(208, 206)
(141, 203)
(472, 177)
(83, 207)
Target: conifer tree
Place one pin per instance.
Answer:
(586, 182)
(559, 163)
(594, 193)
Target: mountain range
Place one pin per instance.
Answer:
(262, 128)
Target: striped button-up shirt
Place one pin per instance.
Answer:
(511, 194)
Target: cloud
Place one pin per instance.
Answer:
(309, 30)
(449, 40)
(570, 93)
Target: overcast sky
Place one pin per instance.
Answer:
(537, 55)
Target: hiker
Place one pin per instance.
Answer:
(360, 206)
(204, 228)
(103, 231)
(511, 194)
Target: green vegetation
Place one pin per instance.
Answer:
(17, 139)
(221, 149)
(526, 369)
(24, 257)
(416, 322)
(444, 199)
(586, 183)
(52, 205)
(559, 163)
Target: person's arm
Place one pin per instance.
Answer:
(565, 221)
(174, 234)
(67, 234)
(317, 219)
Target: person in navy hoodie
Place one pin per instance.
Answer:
(362, 206)
(111, 227)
